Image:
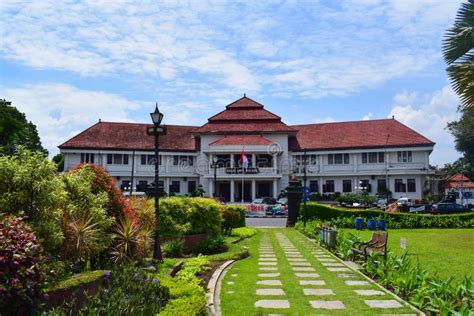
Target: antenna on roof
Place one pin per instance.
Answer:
(244, 95)
(100, 120)
(393, 117)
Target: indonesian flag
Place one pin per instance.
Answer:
(244, 160)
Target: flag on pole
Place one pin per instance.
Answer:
(244, 160)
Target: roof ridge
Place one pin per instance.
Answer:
(341, 122)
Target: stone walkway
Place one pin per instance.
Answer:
(291, 274)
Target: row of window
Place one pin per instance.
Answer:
(262, 160)
(174, 187)
(365, 185)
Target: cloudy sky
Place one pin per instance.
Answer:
(67, 64)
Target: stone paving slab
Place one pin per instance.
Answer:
(272, 303)
(301, 269)
(327, 304)
(269, 282)
(338, 269)
(268, 268)
(277, 292)
(268, 255)
(319, 292)
(268, 275)
(332, 264)
(300, 264)
(307, 275)
(369, 292)
(383, 303)
(268, 259)
(326, 260)
(346, 275)
(356, 282)
(312, 282)
(266, 263)
(297, 259)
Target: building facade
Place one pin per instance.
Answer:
(345, 157)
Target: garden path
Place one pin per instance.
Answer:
(287, 273)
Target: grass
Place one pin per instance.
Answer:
(447, 252)
(239, 298)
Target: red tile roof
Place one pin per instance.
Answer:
(132, 136)
(248, 117)
(244, 116)
(242, 140)
(356, 134)
(458, 181)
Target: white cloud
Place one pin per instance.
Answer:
(368, 116)
(429, 115)
(312, 50)
(327, 119)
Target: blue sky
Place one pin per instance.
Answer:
(68, 64)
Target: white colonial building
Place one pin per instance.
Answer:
(341, 157)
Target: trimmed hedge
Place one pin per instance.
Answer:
(345, 218)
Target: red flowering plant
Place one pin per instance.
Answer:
(21, 277)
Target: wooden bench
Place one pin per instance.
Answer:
(377, 244)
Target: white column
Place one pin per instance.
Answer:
(254, 161)
(320, 184)
(166, 184)
(232, 190)
(274, 163)
(275, 188)
(355, 161)
(211, 188)
(232, 160)
(253, 189)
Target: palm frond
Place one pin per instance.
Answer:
(459, 39)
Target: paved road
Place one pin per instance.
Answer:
(265, 222)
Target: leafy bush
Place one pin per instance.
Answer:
(244, 232)
(183, 215)
(173, 248)
(187, 297)
(212, 245)
(84, 222)
(29, 187)
(234, 216)
(310, 228)
(394, 220)
(103, 182)
(362, 198)
(21, 277)
(126, 291)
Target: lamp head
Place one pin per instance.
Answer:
(156, 116)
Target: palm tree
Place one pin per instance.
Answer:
(458, 51)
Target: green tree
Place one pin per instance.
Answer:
(15, 130)
(458, 51)
(59, 161)
(29, 187)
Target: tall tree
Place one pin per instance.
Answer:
(15, 130)
(458, 51)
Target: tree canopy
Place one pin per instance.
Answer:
(16, 130)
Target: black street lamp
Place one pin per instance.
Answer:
(214, 165)
(157, 117)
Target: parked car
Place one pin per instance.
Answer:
(449, 208)
(265, 201)
(382, 201)
(277, 209)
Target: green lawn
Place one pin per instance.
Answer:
(238, 291)
(448, 252)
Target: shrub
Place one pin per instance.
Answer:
(212, 245)
(394, 220)
(173, 248)
(183, 215)
(234, 216)
(85, 222)
(310, 228)
(21, 278)
(102, 182)
(29, 187)
(244, 232)
(127, 291)
(205, 216)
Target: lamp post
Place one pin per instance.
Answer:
(214, 165)
(157, 117)
(305, 157)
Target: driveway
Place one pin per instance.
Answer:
(265, 222)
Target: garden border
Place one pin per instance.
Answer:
(214, 288)
(419, 312)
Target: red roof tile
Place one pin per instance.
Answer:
(357, 134)
(242, 140)
(244, 116)
(458, 181)
(132, 136)
(244, 102)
